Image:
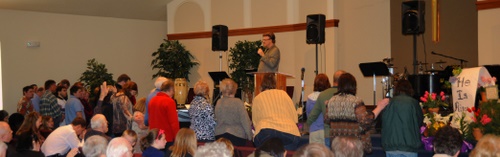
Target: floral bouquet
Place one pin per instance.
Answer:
(484, 119)
(431, 100)
(432, 123)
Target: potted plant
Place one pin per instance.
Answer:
(431, 102)
(172, 60)
(485, 120)
(94, 76)
(243, 57)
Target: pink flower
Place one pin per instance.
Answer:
(423, 99)
(426, 94)
(443, 98)
(485, 119)
(433, 96)
(442, 93)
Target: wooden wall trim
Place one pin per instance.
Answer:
(249, 31)
(487, 4)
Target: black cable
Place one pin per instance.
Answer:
(425, 51)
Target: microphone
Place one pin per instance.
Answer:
(433, 53)
(302, 73)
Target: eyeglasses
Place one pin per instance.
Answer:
(266, 39)
(161, 132)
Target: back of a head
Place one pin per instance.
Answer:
(447, 140)
(95, 146)
(167, 85)
(213, 149)
(79, 121)
(487, 146)
(268, 82)
(321, 82)
(336, 76)
(313, 150)
(159, 81)
(123, 77)
(119, 147)
(97, 121)
(347, 84)
(403, 87)
(347, 146)
(186, 142)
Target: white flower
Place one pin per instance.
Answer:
(427, 120)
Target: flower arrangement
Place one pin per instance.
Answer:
(461, 121)
(431, 100)
(485, 118)
(434, 121)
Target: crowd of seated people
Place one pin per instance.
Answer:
(52, 121)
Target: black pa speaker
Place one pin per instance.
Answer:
(413, 13)
(315, 30)
(219, 38)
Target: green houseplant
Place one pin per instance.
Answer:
(243, 56)
(172, 60)
(94, 76)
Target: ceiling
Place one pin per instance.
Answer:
(131, 9)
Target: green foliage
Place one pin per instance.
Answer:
(172, 60)
(486, 118)
(243, 56)
(95, 75)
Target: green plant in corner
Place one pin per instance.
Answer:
(243, 56)
(172, 60)
(93, 77)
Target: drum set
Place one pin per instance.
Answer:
(430, 80)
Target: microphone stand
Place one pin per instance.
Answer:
(462, 61)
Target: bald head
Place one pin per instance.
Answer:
(119, 147)
(336, 77)
(5, 132)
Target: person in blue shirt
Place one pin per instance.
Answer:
(153, 142)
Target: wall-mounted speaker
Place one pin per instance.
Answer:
(413, 13)
(219, 38)
(315, 31)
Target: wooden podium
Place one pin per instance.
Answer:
(280, 81)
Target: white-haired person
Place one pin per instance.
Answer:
(159, 81)
(233, 122)
(95, 146)
(140, 129)
(119, 147)
(201, 113)
(98, 126)
(213, 149)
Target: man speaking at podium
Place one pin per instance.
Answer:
(270, 58)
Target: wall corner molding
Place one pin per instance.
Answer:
(487, 4)
(250, 31)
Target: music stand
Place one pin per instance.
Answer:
(217, 77)
(374, 69)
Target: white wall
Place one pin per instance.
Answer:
(67, 42)
(489, 36)
(359, 38)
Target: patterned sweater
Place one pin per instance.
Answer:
(348, 116)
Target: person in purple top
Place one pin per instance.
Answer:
(316, 131)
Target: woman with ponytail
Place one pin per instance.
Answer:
(152, 143)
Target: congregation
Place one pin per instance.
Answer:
(50, 122)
